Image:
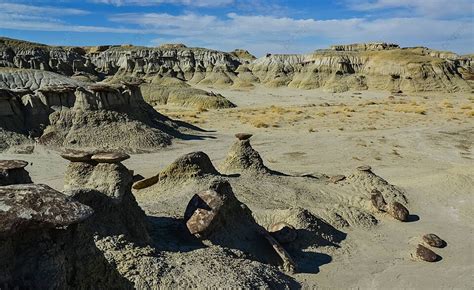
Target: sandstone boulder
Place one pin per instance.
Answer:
(434, 241)
(424, 254)
(398, 211)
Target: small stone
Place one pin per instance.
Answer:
(337, 178)
(76, 155)
(364, 168)
(12, 164)
(243, 136)
(110, 157)
(398, 211)
(146, 182)
(283, 232)
(378, 201)
(425, 254)
(434, 241)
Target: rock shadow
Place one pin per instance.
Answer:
(171, 234)
(412, 218)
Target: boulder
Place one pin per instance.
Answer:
(243, 158)
(434, 241)
(424, 254)
(398, 211)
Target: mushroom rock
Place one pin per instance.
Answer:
(243, 158)
(37, 206)
(13, 172)
(104, 173)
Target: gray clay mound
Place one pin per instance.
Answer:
(192, 165)
(367, 181)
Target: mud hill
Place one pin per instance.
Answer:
(341, 68)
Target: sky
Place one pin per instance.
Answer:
(260, 26)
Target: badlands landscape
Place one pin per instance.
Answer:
(130, 167)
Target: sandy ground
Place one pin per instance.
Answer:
(422, 143)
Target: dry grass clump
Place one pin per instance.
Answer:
(190, 116)
(272, 116)
(446, 104)
(412, 107)
(466, 107)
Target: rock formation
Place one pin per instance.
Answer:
(65, 113)
(378, 66)
(243, 158)
(13, 172)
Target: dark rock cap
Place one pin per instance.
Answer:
(36, 206)
(76, 155)
(243, 136)
(110, 157)
(364, 168)
(12, 164)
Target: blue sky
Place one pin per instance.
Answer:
(260, 26)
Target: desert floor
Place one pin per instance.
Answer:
(422, 143)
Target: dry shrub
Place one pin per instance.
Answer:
(410, 108)
(446, 104)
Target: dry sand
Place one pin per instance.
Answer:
(422, 143)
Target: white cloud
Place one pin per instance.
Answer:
(196, 3)
(427, 8)
(35, 10)
(46, 18)
(261, 34)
